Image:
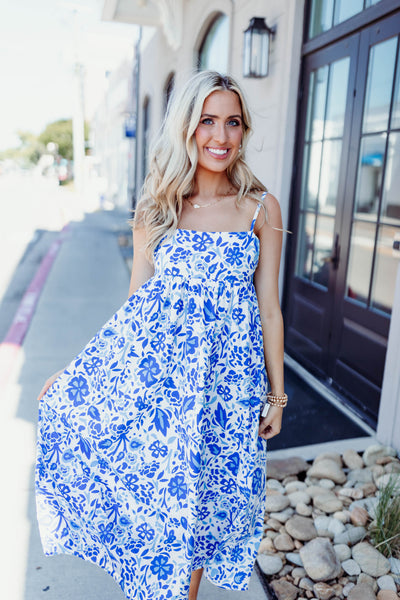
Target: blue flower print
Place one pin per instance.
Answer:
(157, 449)
(158, 344)
(238, 315)
(201, 240)
(148, 370)
(234, 256)
(145, 532)
(93, 366)
(149, 460)
(77, 390)
(161, 567)
(177, 487)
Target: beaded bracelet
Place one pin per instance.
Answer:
(280, 401)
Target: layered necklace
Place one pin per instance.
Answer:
(195, 205)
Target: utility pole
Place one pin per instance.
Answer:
(137, 94)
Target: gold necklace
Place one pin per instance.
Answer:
(195, 205)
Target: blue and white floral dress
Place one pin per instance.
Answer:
(149, 461)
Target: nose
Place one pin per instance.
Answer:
(220, 133)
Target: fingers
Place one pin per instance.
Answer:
(269, 428)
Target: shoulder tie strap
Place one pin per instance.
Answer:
(259, 205)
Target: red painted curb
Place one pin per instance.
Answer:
(11, 344)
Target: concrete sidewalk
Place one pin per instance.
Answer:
(87, 284)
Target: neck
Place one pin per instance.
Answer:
(211, 185)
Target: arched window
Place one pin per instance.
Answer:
(168, 89)
(213, 52)
(145, 136)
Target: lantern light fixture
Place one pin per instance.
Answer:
(257, 38)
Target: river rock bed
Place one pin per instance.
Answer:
(316, 542)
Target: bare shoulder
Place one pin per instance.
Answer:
(270, 217)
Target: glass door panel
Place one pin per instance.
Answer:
(379, 85)
(376, 218)
(322, 151)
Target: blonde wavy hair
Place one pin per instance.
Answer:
(173, 159)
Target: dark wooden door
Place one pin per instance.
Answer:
(346, 213)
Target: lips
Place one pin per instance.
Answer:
(218, 152)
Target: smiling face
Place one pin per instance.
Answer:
(219, 132)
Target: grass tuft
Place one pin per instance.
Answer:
(385, 530)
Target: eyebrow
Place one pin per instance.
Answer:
(216, 116)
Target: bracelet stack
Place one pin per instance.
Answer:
(280, 401)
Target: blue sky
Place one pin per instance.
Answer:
(37, 56)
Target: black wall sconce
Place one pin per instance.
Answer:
(257, 38)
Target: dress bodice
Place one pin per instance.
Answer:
(229, 256)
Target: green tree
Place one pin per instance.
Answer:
(60, 133)
(28, 152)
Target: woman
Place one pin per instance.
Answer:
(152, 443)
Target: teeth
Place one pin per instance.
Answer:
(217, 151)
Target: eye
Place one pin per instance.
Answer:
(207, 121)
(234, 123)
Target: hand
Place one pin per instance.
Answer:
(271, 424)
(49, 383)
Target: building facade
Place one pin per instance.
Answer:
(326, 143)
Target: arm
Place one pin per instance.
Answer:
(266, 285)
(142, 270)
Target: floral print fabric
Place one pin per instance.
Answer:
(149, 461)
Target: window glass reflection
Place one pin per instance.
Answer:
(214, 50)
(323, 250)
(395, 122)
(305, 246)
(320, 17)
(329, 180)
(386, 263)
(379, 85)
(316, 103)
(391, 186)
(344, 9)
(312, 164)
(360, 262)
(369, 177)
(336, 104)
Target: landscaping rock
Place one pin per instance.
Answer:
(377, 451)
(295, 558)
(351, 536)
(281, 468)
(328, 502)
(320, 560)
(382, 481)
(347, 588)
(394, 565)
(269, 564)
(284, 590)
(327, 468)
(303, 509)
(359, 516)
(386, 582)
(387, 595)
(283, 542)
(343, 552)
(370, 560)
(352, 459)
(298, 572)
(301, 528)
(361, 591)
(327, 484)
(335, 456)
(283, 515)
(364, 578)
(360, 475)
(299, 496)
(351, 567)
(276, 503)
(295, 486)
(306, 584)
(323, 591)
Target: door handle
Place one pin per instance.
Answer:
(335, 256)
